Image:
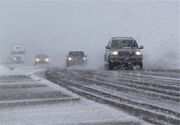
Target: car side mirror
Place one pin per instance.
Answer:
(141, 47)
(107, 47)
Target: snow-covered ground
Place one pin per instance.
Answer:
(3, 69)
(81, 111)
(64, 113)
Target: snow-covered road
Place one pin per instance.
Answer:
(152, 96)
(28, 99)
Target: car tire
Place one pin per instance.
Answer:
(137, 67)
(111, 67)
(141, 66)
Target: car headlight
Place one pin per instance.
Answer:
(14, 58)
(138, 53)
(84, 58)
(115, 53)
(69, 58)
(37, 60)
(47, 60)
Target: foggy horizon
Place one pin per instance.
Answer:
(56, 27)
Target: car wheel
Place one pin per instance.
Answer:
(137, 67)
(111, 67)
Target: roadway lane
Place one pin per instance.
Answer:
(154, 98)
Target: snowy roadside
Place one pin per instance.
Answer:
(21, 86)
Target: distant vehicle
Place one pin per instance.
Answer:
(76, 58)
(123, 52)
(17, 54)
(41, 59)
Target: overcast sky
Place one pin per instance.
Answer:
(57, 27)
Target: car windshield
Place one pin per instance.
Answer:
(42, 56)
(123, 43)
(76, 53)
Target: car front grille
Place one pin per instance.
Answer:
(126, 53)
(18, 58)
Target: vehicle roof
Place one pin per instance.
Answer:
(117, 38)
(17, 45)
(76, 51)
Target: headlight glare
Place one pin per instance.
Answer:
(115, 53)
(37, 60)
(138, 53)
(47, 60)
(69, 58)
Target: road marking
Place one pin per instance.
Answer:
(152, 76)
(38, 100)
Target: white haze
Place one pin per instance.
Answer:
(55, 27)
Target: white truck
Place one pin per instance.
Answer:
(17, 54)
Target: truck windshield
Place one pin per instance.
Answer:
(17, 52)
(41, 56)
(76, 53)
(123, 43)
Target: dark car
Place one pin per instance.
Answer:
(123, 52)
(76, 58)
(41, 59)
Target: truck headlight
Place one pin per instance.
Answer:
(84, 58)
(14, 58)
(69, 58)
(138, 53)
(115, 53)
(37, 60)
(47, 60)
